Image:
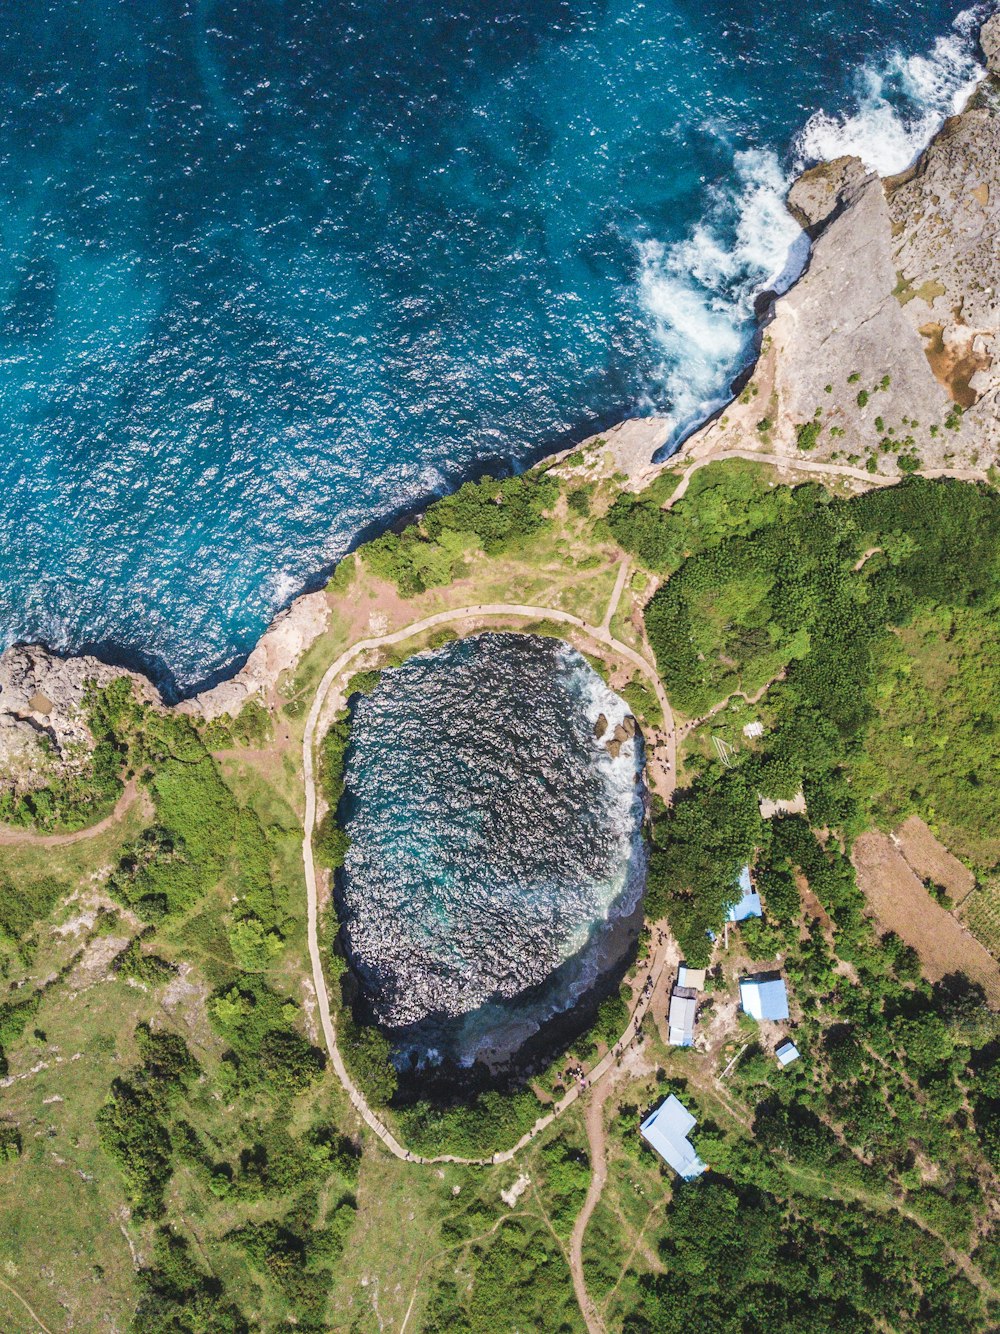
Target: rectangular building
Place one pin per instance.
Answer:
(666, 1130)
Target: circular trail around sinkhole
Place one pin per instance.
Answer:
(496, 864)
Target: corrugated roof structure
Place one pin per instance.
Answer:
(683, 1007)
(786, 1052)
(691, 977)
(764, 997)
(666, 1130)
(748, 904)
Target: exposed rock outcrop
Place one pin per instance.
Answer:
(818, 192)
(989, 40)
(43, 723)
(279, 648)
(885, 353)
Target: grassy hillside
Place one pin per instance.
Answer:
(176, 1153)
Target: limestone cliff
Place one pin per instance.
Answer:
(885, 353)
(43, 723)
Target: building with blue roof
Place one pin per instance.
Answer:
(786, 1052)
(666, 1130)
(748, 904)
(764, 997)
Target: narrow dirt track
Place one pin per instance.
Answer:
(597, 1144)
(12, 837)
(783, 463)
(336, 670)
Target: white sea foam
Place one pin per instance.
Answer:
(901, 103)
(698, 295)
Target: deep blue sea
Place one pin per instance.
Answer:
(274, 270)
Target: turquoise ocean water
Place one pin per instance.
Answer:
(275, 270)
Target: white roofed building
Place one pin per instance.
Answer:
(786, 1052)
(683, 1008)
(666, 1130)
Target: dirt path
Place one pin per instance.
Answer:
(783, 462)
(597, 1143)
(326, 700)
(616, 596)
(11, 837)
(724, 704)
(35, 1317)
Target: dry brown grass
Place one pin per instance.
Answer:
(931, 860)
(902, 904)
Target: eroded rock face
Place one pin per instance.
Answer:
(888, 347)
(43, 727)
(989, 40)
(819, 192)
(287, 638)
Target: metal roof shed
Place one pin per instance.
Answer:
(748, 904)
(683, 1007)
(666, 1130)
(786, 1052)
(691, 977)
(764, 998)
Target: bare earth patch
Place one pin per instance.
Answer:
(932, 861)
(902, 904)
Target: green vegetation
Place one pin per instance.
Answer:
(71, 801)
(888, 673)
(807, 435)
(331, 842)
(491, 516)
(761, 1262)
(641, 699)
(251, 727)
(698, 850)
(717, 504)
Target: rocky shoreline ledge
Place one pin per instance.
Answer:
(911, 367)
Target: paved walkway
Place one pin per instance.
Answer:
(326, 700)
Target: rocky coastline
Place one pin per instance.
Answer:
(911, 365)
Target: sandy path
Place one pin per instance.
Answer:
(597, 1144)
(34, 1315)
(11, 837)
(616, 596)
(785, 463)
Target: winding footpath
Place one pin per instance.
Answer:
(12, 837)
(322, 702)
(786, 463)
(597, 1145)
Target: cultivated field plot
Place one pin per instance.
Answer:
(932, 861)
(902, 904)
(981, 914)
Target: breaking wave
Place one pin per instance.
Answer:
(700, 294)
(901, 103)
